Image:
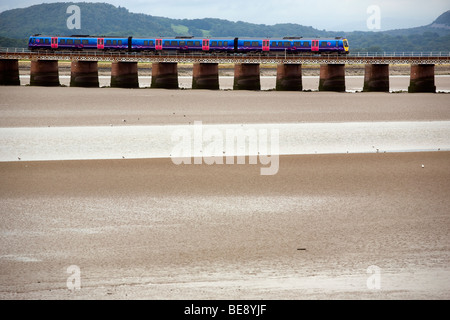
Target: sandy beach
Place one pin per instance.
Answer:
(150, 229)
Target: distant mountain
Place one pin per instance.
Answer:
(442, 22)
(441, 26)
(106, 19)
(101, 19)
(434, 37)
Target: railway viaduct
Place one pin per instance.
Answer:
(124, 70)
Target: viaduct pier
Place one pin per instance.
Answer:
(124, 69)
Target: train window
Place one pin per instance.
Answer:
(247, 43)
(69, 41)
(213, 44)
(62, 41)
(297, 44)
(114, 42)
(323, 44)
(306, 45)
(85, 41)
(225, 43)
(108, 42)
(145, 42)
(151, 43)
(77, 41)
(47, 41)
(174, 43)
(287, 44)
(120, 42)
(255, 44)
(220, 43)
(197, 43)
(190, 43)
(182, 43)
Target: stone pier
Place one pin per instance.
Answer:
(165, 75)
(44, 73)
(124, 75)
(247, 77)
(376, 78)
(205, 76)
(332, 77)
(84, 74)
(9, 72)
(289, 77)
(422, 78)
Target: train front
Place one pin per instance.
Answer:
(345, 42)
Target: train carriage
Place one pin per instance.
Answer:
(183, 44)
(224, 45)
(117, 44)
(38, 42)
(287, 45)
(143, 44)
(77, 43)
(249, 45)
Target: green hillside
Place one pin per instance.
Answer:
(100, 19)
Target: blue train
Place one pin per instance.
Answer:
(289, 45)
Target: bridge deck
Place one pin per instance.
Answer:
(211, 58)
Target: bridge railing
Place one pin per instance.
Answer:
(14, 50)
(118, 53)
(400, 54)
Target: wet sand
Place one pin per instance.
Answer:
(38, 106)
(149, 229)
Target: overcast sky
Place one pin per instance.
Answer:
(336, 15)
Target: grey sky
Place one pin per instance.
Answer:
(339, 15)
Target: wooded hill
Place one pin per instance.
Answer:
(101, 19)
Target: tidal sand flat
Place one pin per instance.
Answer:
(147, 229)
(325, 226)
(43, 107)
